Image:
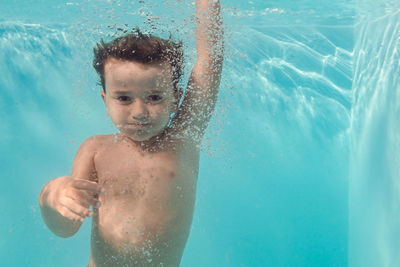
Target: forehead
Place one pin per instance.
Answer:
(123, 73)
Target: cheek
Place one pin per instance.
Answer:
(117, 112)
(160, 111)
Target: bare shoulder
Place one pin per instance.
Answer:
(101, 140)
(83, 166)
(95, 143)
(84, 162)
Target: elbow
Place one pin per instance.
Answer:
(63, 232)
(57, 224)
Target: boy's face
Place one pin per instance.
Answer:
(139, 97)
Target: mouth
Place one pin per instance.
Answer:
(139, 125)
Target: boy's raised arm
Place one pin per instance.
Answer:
(202, 89)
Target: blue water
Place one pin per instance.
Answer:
(300, 161)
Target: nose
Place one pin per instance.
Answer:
(139, 110)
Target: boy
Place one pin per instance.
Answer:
(141, 182)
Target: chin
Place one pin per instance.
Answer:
(137, 137)
(141, 135)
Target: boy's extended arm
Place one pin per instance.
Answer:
(202, 89)
(59, 201)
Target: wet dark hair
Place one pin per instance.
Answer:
(142, 48)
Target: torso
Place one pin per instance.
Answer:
(147, 207)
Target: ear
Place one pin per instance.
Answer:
(103, 96)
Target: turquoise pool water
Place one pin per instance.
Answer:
(299, 166)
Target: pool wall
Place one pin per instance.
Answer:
(374, 188)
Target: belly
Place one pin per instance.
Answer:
(154, 215)
(122, 223)
(134, 233)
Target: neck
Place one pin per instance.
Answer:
(150, 145)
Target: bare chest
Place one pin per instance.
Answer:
(124, 171)
(146, 180)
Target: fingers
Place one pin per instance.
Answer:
(73, 198)
(75, 208)
(67, 213)
(84, 198)
(87, 185)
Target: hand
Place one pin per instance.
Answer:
(72, 197)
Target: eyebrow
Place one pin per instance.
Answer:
(127, 92)
(120, 92)
(156, 91)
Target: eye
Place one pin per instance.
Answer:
(124, 98)
(154, 98)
